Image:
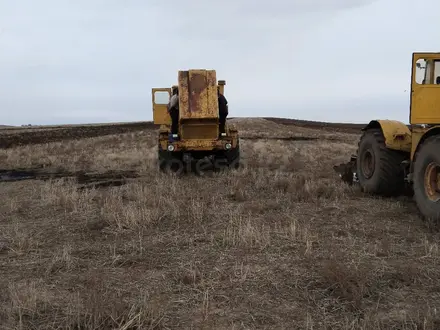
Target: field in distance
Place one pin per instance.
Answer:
(18, 135)
(96, 237)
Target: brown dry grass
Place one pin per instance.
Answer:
(278, 244)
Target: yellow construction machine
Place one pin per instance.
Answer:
(392, 156)
(198, 145)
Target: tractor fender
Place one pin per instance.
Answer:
(397, 135)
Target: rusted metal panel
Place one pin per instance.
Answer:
(183, 94)
(197, 89)
(203, 144)
(212, 97)
(198, 144)
(200, 131)
(198, 94)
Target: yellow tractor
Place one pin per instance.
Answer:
(392, 156)
(199, 145)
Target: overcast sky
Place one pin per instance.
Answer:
(78, 61)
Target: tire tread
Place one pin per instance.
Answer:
(391, 178)
(427, 209)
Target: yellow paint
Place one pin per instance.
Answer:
(198, 113)
(425, 98)
(397, 134)
(160, 112)
(199, 129)
(425, 105)
(203, 144)
(424, 110)
(164, 129)
(419, 134)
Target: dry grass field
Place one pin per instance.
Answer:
(281, 243)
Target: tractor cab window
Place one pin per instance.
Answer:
(427, 72)
(161, 97)
(437, 72)
(422, 70)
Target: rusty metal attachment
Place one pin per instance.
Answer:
(347, 171)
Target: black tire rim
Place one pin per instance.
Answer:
(368, 163)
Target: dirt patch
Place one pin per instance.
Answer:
(336, 127)
(283, 138)
(85, 180)
(28, 137)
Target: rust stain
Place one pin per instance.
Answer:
(211, 95)
(198, 94)
(183, 93)
(197, 85)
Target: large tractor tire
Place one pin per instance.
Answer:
(229, 159)
(378, 168)
(170, 162)
(233, 157)
(426, 179)
(202, 166)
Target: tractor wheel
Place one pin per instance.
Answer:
(202, 166)
(162, 160)
(426, 179)
(220, 163)
(233, 157)
(378, 168)
(171, 162)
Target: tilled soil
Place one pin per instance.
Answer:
(11, 137)
(336, 127)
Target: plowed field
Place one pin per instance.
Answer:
(15, 136)
(19, 136)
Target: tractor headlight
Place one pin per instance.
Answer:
(170, 147)
(228, 146)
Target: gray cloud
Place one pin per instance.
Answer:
(75, 61)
